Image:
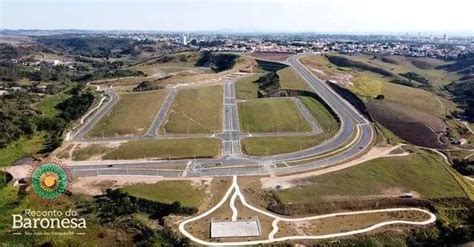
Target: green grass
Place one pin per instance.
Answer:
(196, 110)
(271, 115)
(132, 115)
(418, 172)
(172, 148)
(247, 87)
(48, 105)
(25, 146)
(436, 77)
(369, 84)
(259, 146)
(168, 192)
(290, 80)
(322, 115)
(89, 151)
(262, 146)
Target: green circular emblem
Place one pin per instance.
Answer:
(49, 180)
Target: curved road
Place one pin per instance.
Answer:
(271, 236)
(354, 137)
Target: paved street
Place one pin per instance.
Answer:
(354, 136)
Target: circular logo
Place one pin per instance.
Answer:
(49, 180)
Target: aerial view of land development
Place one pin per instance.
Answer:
(236, 123)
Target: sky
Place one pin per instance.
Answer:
(338, 16)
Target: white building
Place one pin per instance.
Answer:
(182, 40)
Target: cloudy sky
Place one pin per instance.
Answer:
(242, 15)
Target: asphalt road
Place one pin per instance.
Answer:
(354, 136)
(88, 125)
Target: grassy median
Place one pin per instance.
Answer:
(290, 80)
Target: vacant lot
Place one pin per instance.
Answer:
(271, 115)
(167, 149)
(290, 80)
(247, 87)
(261, 146)
(196, 110)
(419, 173)
(344, 223)
(132, 115)
(93, 151)
(183, 192)
(414, 126)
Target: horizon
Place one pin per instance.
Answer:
(240, 16)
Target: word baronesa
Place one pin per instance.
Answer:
(48, 220)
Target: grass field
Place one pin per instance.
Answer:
(423, 66)
(247, 87)
(290, 80)
(25, 146)
(369, 84)
(260, 146)
(196, 110)
(173, 148)
(168, 192)
(271, 115)
(48, 105)
(418, 172)
(86, 153)
(132, 115)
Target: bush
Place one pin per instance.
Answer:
(217, 62)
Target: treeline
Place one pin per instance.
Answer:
(268, 83)
(18, 118)
(117, 208)
(414, 79)
(91, 46)
(464, 166)
(217, 62)
(85, 70)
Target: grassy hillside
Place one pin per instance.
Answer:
(419, 173)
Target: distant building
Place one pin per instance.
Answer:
(182, 40)
(445, 37)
